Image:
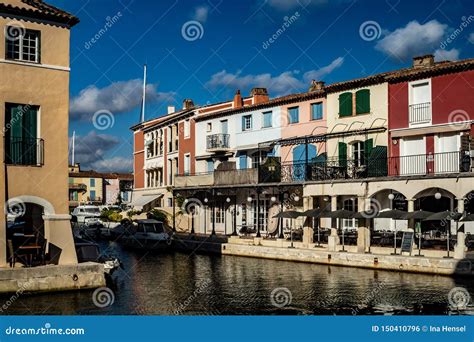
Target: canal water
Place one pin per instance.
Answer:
(190, 284)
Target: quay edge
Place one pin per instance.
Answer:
(52, 278)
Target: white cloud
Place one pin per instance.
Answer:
(91, 151)
(446, 55)
(326, 70)
(201, 13)
(284, 83)
(412, 40)
(118, 97)
(471, 38)
(114, 164)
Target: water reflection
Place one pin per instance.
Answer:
(165, 284)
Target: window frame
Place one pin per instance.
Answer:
(269, 112)
(21, 45)
(290, 121)
(246, 123)
(312, 111)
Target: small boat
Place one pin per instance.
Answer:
(90, 251)
(146, 234)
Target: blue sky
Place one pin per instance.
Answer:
(206, 49)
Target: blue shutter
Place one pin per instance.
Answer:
(317, 111)
(210, 166)
(243, 161)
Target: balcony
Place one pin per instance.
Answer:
(236, 177)
(80, 187)
(420, 113)
(217, 142)
(335, 169)
(24, 151)
(194, 179)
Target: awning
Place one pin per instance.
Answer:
(142, 200)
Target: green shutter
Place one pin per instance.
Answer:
(378, 163)
(29, 132)
(345, 104)
(368, 146)
(15, 135)
(243, 123)
(363, 101)
(342, 154)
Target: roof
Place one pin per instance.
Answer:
(105, 175)
(271, 103)
(38, 9)
(400, 75)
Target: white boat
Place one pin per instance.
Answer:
(146, 234)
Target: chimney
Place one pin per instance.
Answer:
(316, 85)
(259, 95)
(237, 100)
(423, 61)
(171, 109)
(188, 104)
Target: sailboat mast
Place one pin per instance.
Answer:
(142, 119)
(73, 147)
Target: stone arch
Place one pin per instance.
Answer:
(22, 199)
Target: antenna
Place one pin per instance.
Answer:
(73, 152)
(142, 118)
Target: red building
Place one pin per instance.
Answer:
(431, 118)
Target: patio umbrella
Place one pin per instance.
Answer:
(339, 214)
(467, 218)
(365, 214)
(314, 213)
(419, 215)
(446, 215)
(290, 214)
(393, 214)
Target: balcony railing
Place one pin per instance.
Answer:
(217, 142)
(24, 151)
(333, 169)
(420, 113)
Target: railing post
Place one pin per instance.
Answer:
(258, 213)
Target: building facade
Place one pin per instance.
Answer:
(34, 107)
(396, 140)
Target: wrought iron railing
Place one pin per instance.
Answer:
(420, 113)
(24, 151)
(335, 168)
(217, 141)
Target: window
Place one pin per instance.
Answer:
(92, 195)
(363, 101)
(317, 111)
(187, 128)
(350, 205)
(92, 182)
(267, 119)
(209, 126)
(294, 114)
(358, 153)
(224, 127)
(22, 45)
(258, 158)
(210, 166)
(246, 122)
(21, 138)
(345, 104)
(220, 214)
(170, 202)
(187, 164)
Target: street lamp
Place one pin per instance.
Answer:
(438, 195)
(249, 199)
(273, 199)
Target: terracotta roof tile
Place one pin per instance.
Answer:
(40, 10)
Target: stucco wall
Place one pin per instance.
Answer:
(378, 117)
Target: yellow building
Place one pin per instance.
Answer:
(34, 105)
(85, 187)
